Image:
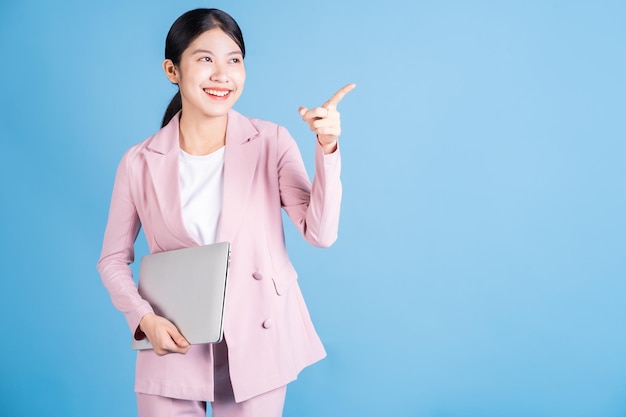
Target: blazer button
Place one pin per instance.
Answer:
(268, 323)
(258, 275)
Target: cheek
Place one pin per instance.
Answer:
(239, 76)
(192, 74)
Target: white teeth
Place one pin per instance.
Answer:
(220, 93)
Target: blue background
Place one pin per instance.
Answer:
(480, 269)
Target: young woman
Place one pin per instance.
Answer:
(210, 175)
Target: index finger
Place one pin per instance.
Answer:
(338, 96)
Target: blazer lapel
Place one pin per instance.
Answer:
(241, 157)
(162, 160)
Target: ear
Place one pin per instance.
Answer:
(171, 72)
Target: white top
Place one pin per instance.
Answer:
(201, 188)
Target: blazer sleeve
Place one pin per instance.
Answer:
(313, 208)
(118, 251)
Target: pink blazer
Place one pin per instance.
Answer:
(267, 326)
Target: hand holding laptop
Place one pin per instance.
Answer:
(187, 291)
(163, 335)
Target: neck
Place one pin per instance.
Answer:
(202, 136)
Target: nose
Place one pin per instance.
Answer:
(219, 74)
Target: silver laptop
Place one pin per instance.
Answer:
(188, 287)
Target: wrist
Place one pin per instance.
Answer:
(328, 147)
(143, 323)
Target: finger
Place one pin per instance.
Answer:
(302, 110)
(180, 340)
(165, 346)
(332, 132)
(319, 123)
(338, 96)
(169, 345)
(178, 349)
(175, 335)
(325, 128)
(317, 113)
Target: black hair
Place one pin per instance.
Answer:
(185, 30)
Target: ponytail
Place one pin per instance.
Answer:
(174, 107)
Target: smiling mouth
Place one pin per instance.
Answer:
(217, 93)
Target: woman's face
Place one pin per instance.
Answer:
(210, 75)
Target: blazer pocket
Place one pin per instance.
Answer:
(284, 278)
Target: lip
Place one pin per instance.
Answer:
(218, 93)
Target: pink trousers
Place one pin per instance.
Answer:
(269, 404)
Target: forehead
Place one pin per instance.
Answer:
(215, 41)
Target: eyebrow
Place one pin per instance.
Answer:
(206, 51)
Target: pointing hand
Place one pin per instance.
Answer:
(325, 120)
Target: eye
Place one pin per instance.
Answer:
(235, 60)
(206, 59)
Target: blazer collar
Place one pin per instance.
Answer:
(240, 161)
(241, 157)
(162, 160)
(239, 129)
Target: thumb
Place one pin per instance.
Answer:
(179, 339)
(302, 110)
